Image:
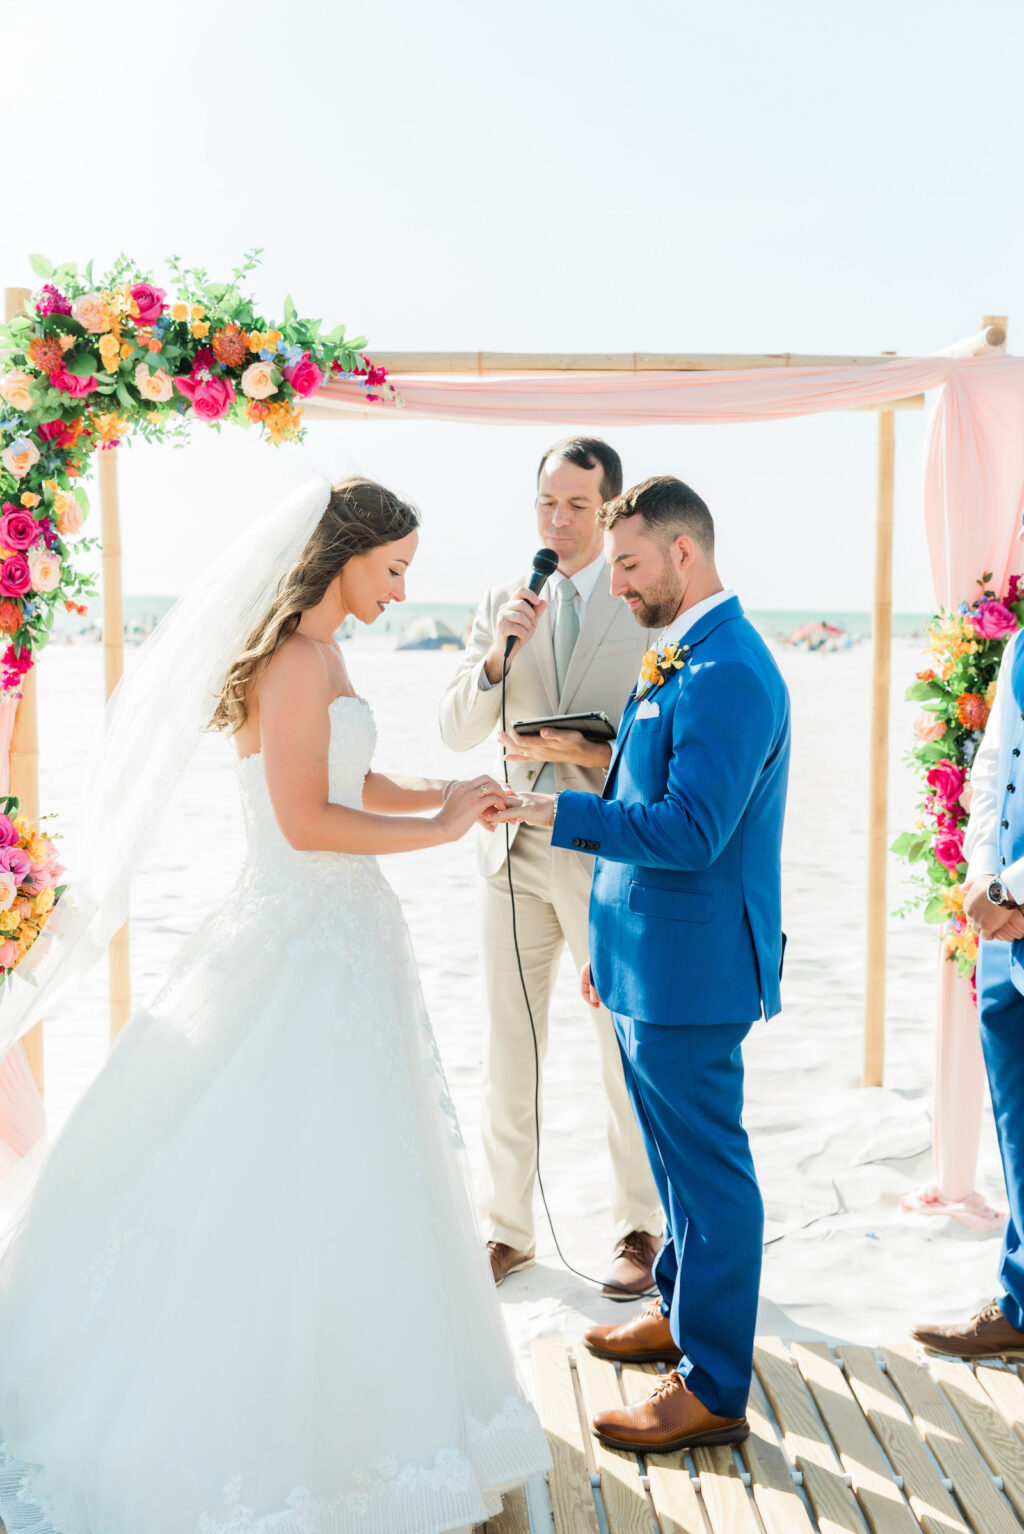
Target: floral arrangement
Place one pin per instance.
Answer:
(29, 885)
(956, 692)
(87, 362)
(658, 666)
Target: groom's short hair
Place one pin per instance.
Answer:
(666, 505)
(587, 453)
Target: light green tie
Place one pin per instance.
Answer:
(567, 631)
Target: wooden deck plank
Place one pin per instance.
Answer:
(672, 1491)
(931, 1503)
(871, 1476)
(779, 1503)
(625, 1497)
(572, 1497)
(834, 1504)
(513, 1518)
(1005, 1390)
(997, 1442)
(986, 1509)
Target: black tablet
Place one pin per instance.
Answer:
(594, 726)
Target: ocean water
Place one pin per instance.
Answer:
(142, 612)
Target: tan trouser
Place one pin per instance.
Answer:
(552, 892)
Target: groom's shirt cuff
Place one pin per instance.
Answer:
(577, 821)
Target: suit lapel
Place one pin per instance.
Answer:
(598, 616)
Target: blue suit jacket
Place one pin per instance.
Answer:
(686, 909)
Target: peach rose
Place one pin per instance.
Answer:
(8, 889)
(89, 311)
(928, 728)
(19, 457)
(8, 953)
(155, 387)
(69, 515)
(258, 380)
(14, 388)
(45, 570)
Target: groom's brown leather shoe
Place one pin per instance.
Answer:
(986, 1335)
(646, 1339)
(671, 1418)
(505, 1260)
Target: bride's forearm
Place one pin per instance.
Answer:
(336, 828)
(390, 793)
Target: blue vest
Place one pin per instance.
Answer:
(1011, 766)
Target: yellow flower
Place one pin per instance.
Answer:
(179, 311)
(126, 349)
(29, 499)
(197, 311)
(200, 329)
(990, 694)
(110, 351)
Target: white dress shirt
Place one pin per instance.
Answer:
(584, 580)
(981, 843)
(685, 621)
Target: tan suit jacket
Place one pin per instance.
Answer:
(605, 664)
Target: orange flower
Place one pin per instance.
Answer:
(972, 710)
(155, 345)
(258, 409)
(10, 618)
(200, 329)
(109, 425)
(229, 346)
(45, 355)
(65, 343)
(30, 499)
(925, 676)
(649, 670)
(179, 312)
(198, 312)
(126, 349)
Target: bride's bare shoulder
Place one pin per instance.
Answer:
(295, 671)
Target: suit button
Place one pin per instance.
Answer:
(1006, 825)
(576, 842)
(1003, 861)
(1010, 789)
(1016, 751)
(594, 846)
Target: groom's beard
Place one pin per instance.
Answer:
(658, 607)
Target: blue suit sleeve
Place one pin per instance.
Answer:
(722, 733)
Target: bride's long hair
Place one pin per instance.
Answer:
(361, 515)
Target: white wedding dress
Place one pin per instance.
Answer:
(249, 1293)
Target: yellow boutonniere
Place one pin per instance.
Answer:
(659, 664)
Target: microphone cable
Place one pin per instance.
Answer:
(587, 1278)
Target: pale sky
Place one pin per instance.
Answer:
(578, 175)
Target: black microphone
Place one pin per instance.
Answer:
(545, 563)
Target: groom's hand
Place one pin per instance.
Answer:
(555, 745)
(587, 990)
(531, 809)
(985, 918)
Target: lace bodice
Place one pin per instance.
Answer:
(350, 752)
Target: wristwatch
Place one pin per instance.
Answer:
(998, 894)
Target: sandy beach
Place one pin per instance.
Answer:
(841, 1261)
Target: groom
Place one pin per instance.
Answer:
(686, 948)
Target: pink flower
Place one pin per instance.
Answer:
(946, 780)
(150, 301)
(928, 728)
(211, 398)
(18, 530)
(994, 620)
(304, 376)
(8, 953)
(15, 576)
(17, 862)
(8, 832)
(78, 388)
(57, 432)
(949, 849)
(45, 570)
(52, 301)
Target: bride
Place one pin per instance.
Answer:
(248, 1293)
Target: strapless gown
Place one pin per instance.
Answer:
(249, 1293)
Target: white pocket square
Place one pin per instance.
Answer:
(648, 709)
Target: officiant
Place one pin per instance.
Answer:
(576, 650)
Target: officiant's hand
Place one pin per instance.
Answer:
(530, 809)
(466, 803)
(587, 990)
(555, 745)
(983, 917)
(516, 620)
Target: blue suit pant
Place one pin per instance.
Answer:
(686, 1086)
(1001, 1019)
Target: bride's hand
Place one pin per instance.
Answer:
(466, 803)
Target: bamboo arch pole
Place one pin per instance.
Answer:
(25, 747)
(878, 796)
(119, 953)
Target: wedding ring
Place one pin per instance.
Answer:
(483, 790)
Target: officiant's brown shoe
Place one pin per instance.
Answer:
(986, 1335)
(632, 1271)
(645, 1339)
(671, 1418)
(505, 1260)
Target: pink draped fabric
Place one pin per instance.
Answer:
(22, 1117)
(7, 715)
(973, 497)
